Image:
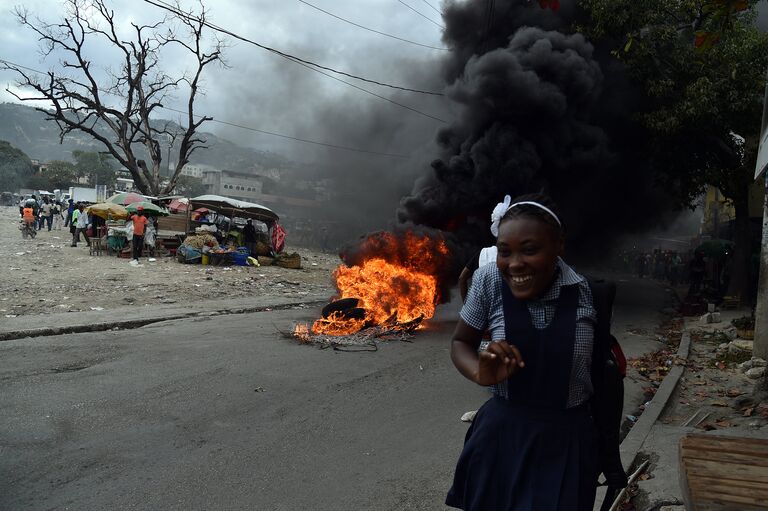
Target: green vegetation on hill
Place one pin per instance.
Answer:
(27, 129)
(15, 167)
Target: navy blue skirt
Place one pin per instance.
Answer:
(520, 459)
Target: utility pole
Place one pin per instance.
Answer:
(760, 348)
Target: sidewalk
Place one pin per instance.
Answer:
(704, 392)
(135, 316)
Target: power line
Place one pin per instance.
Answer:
(292, 58)
(438, 11)
(422, 15)
(227, 123)
(166, 6)
(315, 142)
(371, 29)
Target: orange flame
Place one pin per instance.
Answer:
(396, 285)
(301, 332)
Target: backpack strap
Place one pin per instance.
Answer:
(603, 296)
(607, 402)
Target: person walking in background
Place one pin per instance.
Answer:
(40, 214)
(46, 214)
(28, 213)
(139, 227)
(36, 210)
(81, 226)
(696, 271)
(484, 256)
(73, 225)
(57, 216)
(70, 210)
(642, 265)
(249, 237)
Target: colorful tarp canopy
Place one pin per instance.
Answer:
(126, 198)
(235, 208)
(179, 205)
(107, 210)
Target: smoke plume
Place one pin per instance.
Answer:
(539, 109)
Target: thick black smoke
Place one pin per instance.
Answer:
(540, 109)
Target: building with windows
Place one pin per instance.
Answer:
(193, 169)
(238, 185)
(123, 184)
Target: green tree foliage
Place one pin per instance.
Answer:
(139, 78)
(190, 186)
(701, 67)
(15, 167)
(38, 181)
(97, 167)
(58, 174)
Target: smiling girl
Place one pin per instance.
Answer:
(532, 445)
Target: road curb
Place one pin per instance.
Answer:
(126, 324)
(633, 442)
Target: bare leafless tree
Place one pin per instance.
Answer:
(123, 100)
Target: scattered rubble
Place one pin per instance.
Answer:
(716, 391)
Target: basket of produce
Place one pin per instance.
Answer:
(262, 249)
(265, 261)
(291, 261)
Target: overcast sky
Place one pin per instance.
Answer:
(264, 91)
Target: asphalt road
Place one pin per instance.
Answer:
(224, 413)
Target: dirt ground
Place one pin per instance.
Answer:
(46, 275)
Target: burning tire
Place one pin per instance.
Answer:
(346, 308)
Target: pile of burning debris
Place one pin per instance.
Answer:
(387, 294)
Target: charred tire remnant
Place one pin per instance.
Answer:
(346, 307)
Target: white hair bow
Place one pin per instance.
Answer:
(498, 212)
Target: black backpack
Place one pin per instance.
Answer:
(607, 403)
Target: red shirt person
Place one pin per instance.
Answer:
(139, 226)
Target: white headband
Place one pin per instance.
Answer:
(502, 207)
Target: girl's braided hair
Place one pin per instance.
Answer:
(529, 211)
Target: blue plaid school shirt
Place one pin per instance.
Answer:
(483, 310)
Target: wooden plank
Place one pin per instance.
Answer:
(710, 468)
(730, 487)
(172, 223)
(726, 457)
(757, 446)
(725, 506)
(722, 473)
(705, 495)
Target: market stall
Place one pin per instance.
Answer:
(111, 235)
(230, 215)
(118, 229)
(219, 223)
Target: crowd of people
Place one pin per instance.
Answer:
(42, 212)
(703, 274)
(45, 212)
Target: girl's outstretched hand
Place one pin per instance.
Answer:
(498, 362)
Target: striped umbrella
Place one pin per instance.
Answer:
(147, 207)
(126, 198)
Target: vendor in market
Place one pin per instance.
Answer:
(249, 235)
(139, 227)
